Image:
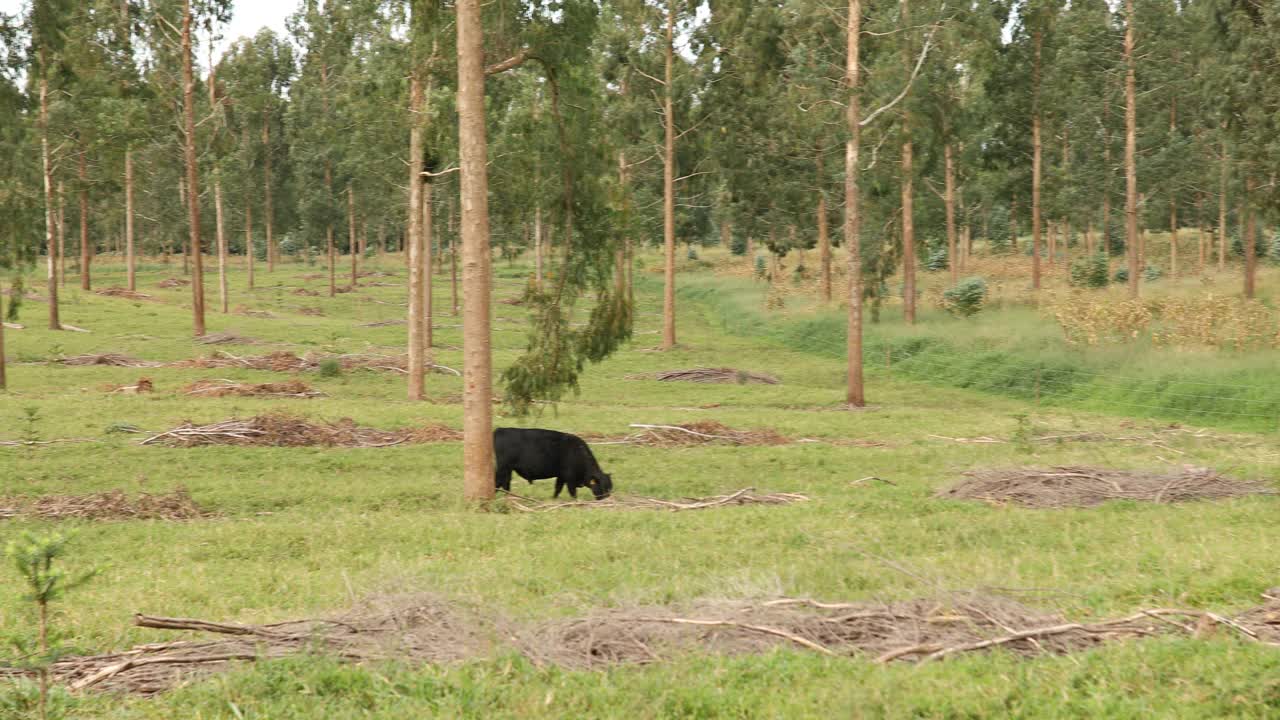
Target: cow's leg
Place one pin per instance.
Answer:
(502, 478)
(559, 487)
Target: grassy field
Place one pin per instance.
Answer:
(305, 532)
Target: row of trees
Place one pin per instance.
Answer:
(955, 120)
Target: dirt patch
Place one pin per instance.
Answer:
(173, 283)
(111, 505)
(282, 430)
(703, 432)
(231, 388)
(122, 293)
(746, 496)
(1059, 487)
(225, 338)
(426, 629)
(109, 359)
(709, 375)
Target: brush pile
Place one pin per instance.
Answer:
(173, 283)
(1059, 487)
(708, 375)
(703, 432)
(231, 388)
(111, 505)
(282, 430)
(225, 338)
(122, 292)
(108, 359)
(285, 361)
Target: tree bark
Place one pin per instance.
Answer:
(248, 237)
(428, 317)
(268, 214)
(1249, 238)
(854, 392)
(908, 194)
(1036, 151)
(1106, 168)
(953, 259)
(1222, 206)
(222, 241)
(824, 237)
(668, 192)
(477, 361)
(330, 248)
(351, 237)
(537, 248)
(62, 237)
(1200, 234)
(417, 309)
(1173, 201)
(453, 259)
(1130, 151)
(130, 261)
(193, 186)
(86, 254)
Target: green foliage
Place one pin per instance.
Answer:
(1260, 245)
(692, 254)
(761, 267)
(1090, 272)
(330, 368)
(967, 297)
(999, 232)
(16, 290)
(738, 245)
(1023, 433)
(936, 261)
(1273, 252)
(1116, 240)
(1152, 273)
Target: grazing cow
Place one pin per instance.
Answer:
(538, 454)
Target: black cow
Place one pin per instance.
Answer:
(538, 454)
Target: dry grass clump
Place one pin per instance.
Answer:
(144, 385)
(285, 361)
(1211, 321)
(110, 505)
(1059, 487)
(231, 388)
(284, 430)
(708, 375)
(122, 292)
(109, 359)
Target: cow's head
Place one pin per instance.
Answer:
(601, 485)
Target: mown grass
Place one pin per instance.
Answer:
(302, 532)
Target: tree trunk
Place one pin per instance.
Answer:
(1173, 202)
(1035, 163)
(248, 237)
(668, 192)
(86, 255)
(854, 392)
(1200, 234)
(222, 241)
(1106, 168)
(537, 248)
(182, 200)
(130, 261)
(953, 260)
(351, 237)
(328, 231)
(193, 186)
(268, 215)
(1013, 223)
(453, 259)
(477, 361)
(1130, 151)
(824, 237)
(908, 194)
(1249, 238)
(1222, 206)
(62, 236)
(428, 317)
(417, 309)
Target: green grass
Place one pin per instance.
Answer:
(300, 531)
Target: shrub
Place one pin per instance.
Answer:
(692, 254)
(330, 367)
(1151, 273)
(738, 245)
(1090, 272)
(762, 269)
(1273, 252)
(966, 298)
(1115, 240)
(937, 260)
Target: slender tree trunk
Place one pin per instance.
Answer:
(248, 237)
(351, 236)
(477, 361)
(1013, 223)
(1250, 239)
(668, 192)
(222, 241)
(453, 259)
(1222, 206)
(908, 193)
(193, 186)
(182, 200)
(1035, 163)
(428, 317)
(130, 261)
(537, 248)
(1106, 169)
(854, 393)
(1173, 202)
(417, 309)
(1130, 151)
(62, 236)
(1200, 233)
(83, 192)
(330, 248)
(824, 237)
(953, 259)
(268, 213)
(621, 286)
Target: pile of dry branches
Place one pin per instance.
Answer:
(122, 292)
(306, 292)
(425, 629)
(284, 361)
(746, 496)
(111, 359)
(703, 432)
(225, 388)
(173, 283)
(1058, 487)
(144, 385)
(282, 430)
(312, 311)
(111, 505)
(249, 312)
(708, 375)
